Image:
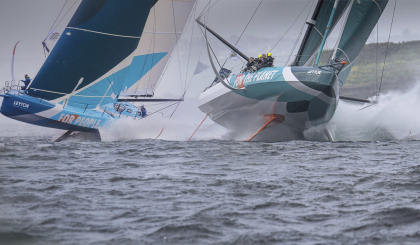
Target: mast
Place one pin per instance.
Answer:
(311, 23)
(326, 32)
(223, 40)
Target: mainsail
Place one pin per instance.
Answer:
(106, 47)
(166, 22)
(363, 16)
(317, 27)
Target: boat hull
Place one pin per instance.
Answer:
(293, 100)
(32, 110)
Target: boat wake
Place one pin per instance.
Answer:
(394, 117)
(179, 127)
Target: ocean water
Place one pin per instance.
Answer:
(132, 189)
(209, 192)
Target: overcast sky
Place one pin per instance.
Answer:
(30, 20)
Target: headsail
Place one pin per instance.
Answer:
(317, 27)
(166, 22)
(98, 41)
(363, 16)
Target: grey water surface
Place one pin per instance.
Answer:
(208, 192)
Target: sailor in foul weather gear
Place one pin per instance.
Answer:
(262, 61)
(143, 111)
(26, 82)
(270, 60)
(250, 66)
(258, 62)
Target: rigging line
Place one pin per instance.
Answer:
(189, 52)
(377, 54)
(154, 45)
(162, 109)
(212, 49)
(172, 53)
(187, 68)
(189, 83)
(64, 15)
(208, 9)
(297, 40)
(245, 28)
(343, 25)
(387, 46)
(102, 33)
(249, 22)
(176, 45)
(291, 26)
(186, 86)
(175, 109)
(204, 9)
(145, 61)
(52, 26)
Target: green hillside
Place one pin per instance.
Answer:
(400, 73)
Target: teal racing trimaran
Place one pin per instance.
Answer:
(111, 53)
(279, 103)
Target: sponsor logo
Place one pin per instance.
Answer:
(20, 104)
(79, 121)
(314, 72)
(239, 82)
(259, 76)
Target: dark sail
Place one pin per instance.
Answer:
(315, 32)
(100, 35)
(363, 16)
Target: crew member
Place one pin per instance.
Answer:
(270, 60)
(250, 66)
(143, 111)
(26, 82)
(262, 61)
(258, 62)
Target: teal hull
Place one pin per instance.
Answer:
(299, 98)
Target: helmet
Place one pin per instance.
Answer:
(269, 54)
(259, 56)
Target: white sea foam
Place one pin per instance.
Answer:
(394, 117)
(179, 127)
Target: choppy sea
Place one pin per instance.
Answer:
(209, 192)
(131, 189)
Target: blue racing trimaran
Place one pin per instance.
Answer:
(110, 54)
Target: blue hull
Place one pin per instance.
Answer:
(29, 109)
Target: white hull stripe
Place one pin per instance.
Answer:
(295, 83)
(51, 112)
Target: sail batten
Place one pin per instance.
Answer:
(102, 33)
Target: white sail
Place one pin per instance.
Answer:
(164, 26)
